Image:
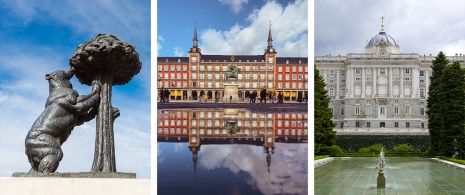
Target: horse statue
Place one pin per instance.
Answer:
(231, 125)
(232, 73)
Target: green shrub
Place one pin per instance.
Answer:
(375, 148)
(318, 157)
(353, 143)
(404, 148)
(335, 151)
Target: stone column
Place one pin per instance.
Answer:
(415, 82)
(337, 84)
(401, 72)
(363, 83)
(349, 86)
(375, 92)
(426, 83)
(390, 82)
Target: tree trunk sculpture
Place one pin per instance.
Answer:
(108, 61)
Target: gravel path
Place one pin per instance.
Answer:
(254, 107)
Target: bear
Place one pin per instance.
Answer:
(64, 110)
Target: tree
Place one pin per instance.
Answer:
(452, 110)
(434, 101)
(108, 61)
(325, 137)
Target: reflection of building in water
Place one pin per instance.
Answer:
(231, 126)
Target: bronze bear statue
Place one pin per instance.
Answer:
(64, 110)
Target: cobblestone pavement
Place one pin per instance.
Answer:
(258, 107)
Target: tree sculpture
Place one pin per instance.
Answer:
(108, 61)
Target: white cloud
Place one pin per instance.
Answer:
(344, 27)
(286, 165)
(289, 27)
(178, 52)
(236, 5)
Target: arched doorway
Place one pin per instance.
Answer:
(247, 94)
(184, 94)
(194, 95)
(209, 94)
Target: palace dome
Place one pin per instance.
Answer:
(382, 36)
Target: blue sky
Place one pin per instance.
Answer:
(238, 27)
(39, 38)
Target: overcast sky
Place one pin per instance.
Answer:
(233, 27)
(422, 27)
(39, 37)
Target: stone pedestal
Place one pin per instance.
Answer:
(78, 175)
(59, 186)
(381, 179)
(231, 90)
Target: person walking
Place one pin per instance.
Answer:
(162, 95)
(167, 95)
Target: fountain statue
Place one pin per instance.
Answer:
(382, 164)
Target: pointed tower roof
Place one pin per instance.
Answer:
(270, 41)
(195, 40)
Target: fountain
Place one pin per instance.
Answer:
(381, 178)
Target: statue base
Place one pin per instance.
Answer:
(381, 179)
(78, 175)
(59, 186)
(231, 90)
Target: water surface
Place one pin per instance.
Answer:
(404, 175)
(231, 151)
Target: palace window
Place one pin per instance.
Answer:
(288, 68)
(407, 71)
(422, 73)
(357, 110)
(382, 71)
(280, 69)
(358, 70)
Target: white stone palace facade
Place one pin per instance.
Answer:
(381, 91)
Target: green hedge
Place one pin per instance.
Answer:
(354, 142)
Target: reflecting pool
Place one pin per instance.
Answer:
(404, 175)
(231, 151)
